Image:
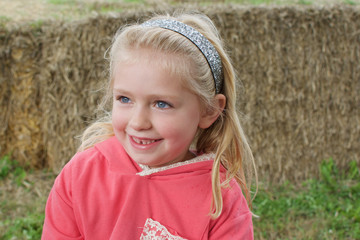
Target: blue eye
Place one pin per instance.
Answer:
(123, 99)
(161, 104)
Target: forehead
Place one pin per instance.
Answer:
(176, 65)
(146, 77)
(141, 76)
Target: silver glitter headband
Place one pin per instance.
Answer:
(204, 45)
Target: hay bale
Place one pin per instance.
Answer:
(301, 79)
(5, 91)
(21, 118)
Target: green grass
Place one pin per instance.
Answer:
(350, 2)
(4, 20)
(324, 208)
(23, 194)
(29, 227)
(12, 167)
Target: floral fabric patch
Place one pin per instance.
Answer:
(153, 230)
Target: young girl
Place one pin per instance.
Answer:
(169, 161)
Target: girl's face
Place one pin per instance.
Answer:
(154, 117)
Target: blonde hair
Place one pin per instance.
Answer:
(225, 137)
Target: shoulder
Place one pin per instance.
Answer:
(85, 167)
(83, 160)
(107, 149)
(81, 164)
(235, 220)
(233, 196)
(104, 157)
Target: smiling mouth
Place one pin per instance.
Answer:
(144, 141)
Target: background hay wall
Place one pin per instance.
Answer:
(20, 130)
(299, 69)
(301, 75)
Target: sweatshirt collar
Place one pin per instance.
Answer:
(148, 171)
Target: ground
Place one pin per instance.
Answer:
(22, 11)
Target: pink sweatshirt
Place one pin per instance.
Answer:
(103, 194)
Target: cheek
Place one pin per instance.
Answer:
(118, 120)
(178, 129)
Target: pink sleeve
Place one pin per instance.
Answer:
(235, 221)
(60, 220)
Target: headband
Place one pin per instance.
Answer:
(203, 44)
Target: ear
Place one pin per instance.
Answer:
(209, 117)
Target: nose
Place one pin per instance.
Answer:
(140, 119)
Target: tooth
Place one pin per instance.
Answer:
(143, 142)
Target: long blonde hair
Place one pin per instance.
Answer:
(225, 137)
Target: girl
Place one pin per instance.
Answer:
(137, 177)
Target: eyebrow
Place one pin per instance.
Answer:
(152, 96)
(117, 90)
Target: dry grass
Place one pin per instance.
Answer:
(36, 185)
(20, 199)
